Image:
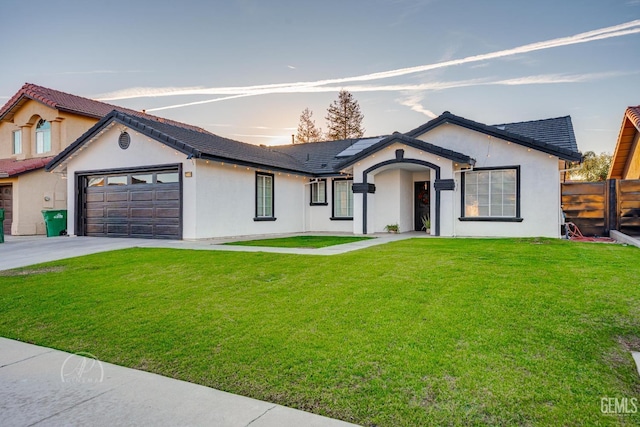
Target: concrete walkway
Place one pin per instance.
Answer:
(44, 387)
(21, 251)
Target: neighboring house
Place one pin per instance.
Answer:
(36, 124)
(129, 176)
(625, 163)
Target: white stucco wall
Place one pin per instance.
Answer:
(539, 183)
(226, 201)
(318, 217)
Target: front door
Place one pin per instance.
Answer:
(421, 197)
(6, 203)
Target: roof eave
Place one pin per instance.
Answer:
(497, 133)
(404, 139)
(116, 116)
(254, 165)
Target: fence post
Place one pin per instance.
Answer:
(611, 217)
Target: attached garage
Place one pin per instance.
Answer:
(6, 203)
(142, 203)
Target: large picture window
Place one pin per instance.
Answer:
(319, 192)
(342, 199)
(264, 197)
(491, 194)
(43, 137)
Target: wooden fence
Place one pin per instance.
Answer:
(598, 207)
(628, 221)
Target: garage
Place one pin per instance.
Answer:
(6, 203)
(142, 203)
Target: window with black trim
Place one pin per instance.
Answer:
(319, 192)
(342, 199)
(264, 197)
(491, 194)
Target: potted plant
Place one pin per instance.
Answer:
(392, 228)
(426, 223)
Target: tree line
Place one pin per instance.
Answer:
(344, 121)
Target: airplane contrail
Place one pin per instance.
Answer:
(628, 28)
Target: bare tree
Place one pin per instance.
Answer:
(344, 118)
(307, 130)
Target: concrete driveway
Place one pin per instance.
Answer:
(21, 251)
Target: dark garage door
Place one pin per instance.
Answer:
(6, 203)
(143, 203)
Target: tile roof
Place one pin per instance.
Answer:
(556, 131)
(73, 104)
(625, 152)
(196, 143)
(318, 158)
(12, 167)
(633, 113)
(552, 145)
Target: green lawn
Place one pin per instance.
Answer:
(301, 241)
(416, 332)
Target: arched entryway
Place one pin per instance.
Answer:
(401, 163)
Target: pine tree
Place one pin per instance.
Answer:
(344, 118)
(307, 130)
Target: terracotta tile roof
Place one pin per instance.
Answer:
(12, 167)
(74, 104)
(625, 153)
(633, 113)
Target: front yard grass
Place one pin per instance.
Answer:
(314, 242)
(416, 332)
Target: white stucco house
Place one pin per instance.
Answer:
(132, 177)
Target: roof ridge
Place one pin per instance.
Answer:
(38, 93)
(531, 121)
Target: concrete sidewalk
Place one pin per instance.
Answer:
(44, 387)
(19, 251)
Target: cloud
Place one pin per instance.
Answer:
(415, 103)
(291, 67)
(632, 27)
(100, 72)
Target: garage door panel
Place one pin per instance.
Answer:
(146, 210)
(141, 230)
(168, 195)
(141, 196)
(95, 228)
(95, 212)
(167, 212)
(95, 197)
(167, 230)
(141, 213)
(117, 229)
(120, 196)
(117, 213)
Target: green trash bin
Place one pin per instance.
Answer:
(1, 225)
(56, 222)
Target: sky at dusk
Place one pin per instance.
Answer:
(246, 69)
